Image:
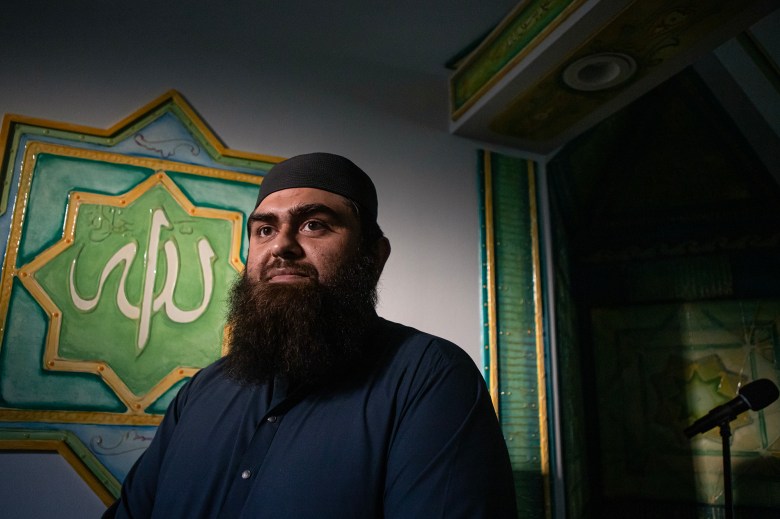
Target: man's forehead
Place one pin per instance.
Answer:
(287, 200)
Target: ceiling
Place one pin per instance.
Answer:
(521, 104)
(399, 35)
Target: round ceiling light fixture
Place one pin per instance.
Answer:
(599, 71)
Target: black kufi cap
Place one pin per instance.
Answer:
(322, 171)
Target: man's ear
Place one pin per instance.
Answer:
(381, 253)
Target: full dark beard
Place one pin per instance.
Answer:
(308, 332)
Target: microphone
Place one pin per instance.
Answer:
(756, 396)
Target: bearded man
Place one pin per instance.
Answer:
(322, 409)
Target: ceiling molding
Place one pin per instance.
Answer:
(511, 90)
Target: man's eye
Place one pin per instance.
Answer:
(313, 225)
(264, 230)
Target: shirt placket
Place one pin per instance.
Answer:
(252, 459)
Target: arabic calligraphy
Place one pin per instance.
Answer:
(167, 147)
(150, 304)
(127, 442)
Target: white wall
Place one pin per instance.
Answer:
(393, 123)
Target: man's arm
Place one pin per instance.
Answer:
(448, 457)
(139, 487)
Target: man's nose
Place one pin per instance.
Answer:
(286, 244)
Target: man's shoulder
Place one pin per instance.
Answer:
(417, 367)
(405, 344)
(213, 372)
(210, 379)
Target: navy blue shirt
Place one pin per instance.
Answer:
(411, 434)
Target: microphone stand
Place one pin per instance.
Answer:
(756, 395)
(725, 434)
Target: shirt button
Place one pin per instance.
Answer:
(271, 419)
(246, 474)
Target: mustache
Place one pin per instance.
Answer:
(292, 266)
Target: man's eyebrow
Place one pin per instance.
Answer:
(298, 211)
(262, 217)
(304, 210)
